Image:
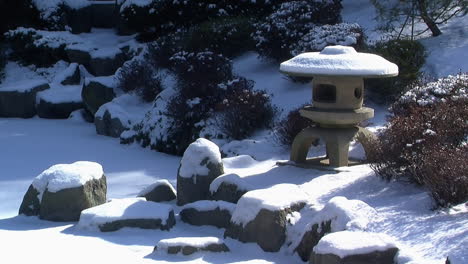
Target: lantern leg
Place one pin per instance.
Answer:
(337, 153)
(301, 144)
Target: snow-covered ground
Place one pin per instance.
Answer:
(404, 212)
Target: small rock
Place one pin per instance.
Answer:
(214, 213)
(190, 245)
(200, 165)
(61, 192)
(260, 215)
(19, 99)
(338, 214)
(97, 91)
(354, 247)
(160, 191)
(129, 212)
(229, 188)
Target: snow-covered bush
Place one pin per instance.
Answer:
(426, 140)
(161, 50)
(139, 76)
(288, 128)
(328, 35)
(14, 13)
(409, 55)
(277, 35)
(41, 48)
(244, 110)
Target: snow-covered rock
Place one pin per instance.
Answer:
(119, 115)
(70, 76)
(160, 191)
(200, 165)
(59, 101)
(18, 99)
(97, 91)
(355, 247)
(261, 215)
(128, 212)
(214, 213)
(229, 187)
(78, 53)
(338, 214)
(61, 192)
(190, 245)
(106, 61)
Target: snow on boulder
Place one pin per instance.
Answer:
(190, 245)
(70, 76)
(338, 214)
(61, 192)
(59, 101)
(354, 247)
(18, 99)
(229, 187)
(261, 215)
(339, 60)
(160, 191)
(97, 91)
(200, 165)
(119, 115)
(128, 212)
(214, 213)
(106, 61)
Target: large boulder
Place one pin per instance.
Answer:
(261, 215)
(97, 91)
(229, 187)
(160, 191)
(348, 247)
(19, 99)
(59, 101)
(214, 213)
(190, 245)
(61, 192)
(129, 212)
(338, 214)
(70, 76)
(106, 61)
(119, 115)
(79, 53)
(200, 165)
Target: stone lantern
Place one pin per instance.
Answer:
(338, 90)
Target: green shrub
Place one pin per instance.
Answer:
(140, 77)
(244, 110)
(288, 128)
(228, 36)
(409, 55)
(425, 141)
(15, 13)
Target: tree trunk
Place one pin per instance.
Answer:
(431, 24)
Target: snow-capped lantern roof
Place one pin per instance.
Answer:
(339, 61)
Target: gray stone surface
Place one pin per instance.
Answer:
(268, 229)
(139, 223)
(56, 110)
(218, 216)
(67, 204)
(162, 192)
(104, 66)
(190, 249)
(109, 126)
(228, 192)
(64, 205)
(190, 190)
(95, 94)
(20, 103)
(311, 238)
(79, 56)
(380, 257)
(74, 77)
